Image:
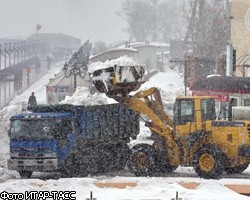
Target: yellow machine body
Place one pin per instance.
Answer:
(229, 136)
(193, 138)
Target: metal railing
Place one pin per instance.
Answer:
(15, 52)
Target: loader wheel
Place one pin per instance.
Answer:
(25, 174)
(237, 170)
(141, 161)
(209, 162)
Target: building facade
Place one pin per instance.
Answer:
(240, 35)
(57, 45)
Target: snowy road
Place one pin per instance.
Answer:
(181, 172)
(117, 187)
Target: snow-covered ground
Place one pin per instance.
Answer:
(171, 85)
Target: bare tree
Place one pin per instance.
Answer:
(151, 20)
(170, 20)
(209, 27)
(138, 15)
(99, 47)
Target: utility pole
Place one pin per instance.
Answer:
(185, 78)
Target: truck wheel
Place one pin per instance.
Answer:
(209, 162)
(237, 170)
(25, 174)
(141, 161)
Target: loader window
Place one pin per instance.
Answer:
(208, 109)
(184, 111)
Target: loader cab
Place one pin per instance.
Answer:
(184, 111)
(191, 112)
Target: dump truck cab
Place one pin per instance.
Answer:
(40, 141)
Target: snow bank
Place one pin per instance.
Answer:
(82, 96)
(170, 84)
(147, 188)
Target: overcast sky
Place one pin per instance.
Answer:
(84, 19)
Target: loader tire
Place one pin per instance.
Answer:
(162, 159)
(237, 170)
(209, 162)
(141, 161)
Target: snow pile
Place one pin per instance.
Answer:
(5, 115)
(169, 83)
(122, 61)
(117, 76)
(82, 96)
(6, 174)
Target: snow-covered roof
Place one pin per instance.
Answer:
(113, 50)
(14, 38)
(122, 61)
(140, 44)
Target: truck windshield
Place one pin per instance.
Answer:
(37, 130)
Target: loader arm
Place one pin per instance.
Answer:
(149, 103)
(152, 100)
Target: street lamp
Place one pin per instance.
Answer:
(74, 67)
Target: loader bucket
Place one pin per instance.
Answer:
(118, 80)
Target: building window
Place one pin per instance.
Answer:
(235, 101)
(247, 102)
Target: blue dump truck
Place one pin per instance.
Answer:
(73, 140)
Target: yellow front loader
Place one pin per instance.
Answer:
(194, 137)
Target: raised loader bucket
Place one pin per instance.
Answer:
(118, 79)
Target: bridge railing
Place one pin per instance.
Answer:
(20, 66)
(14, 52)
